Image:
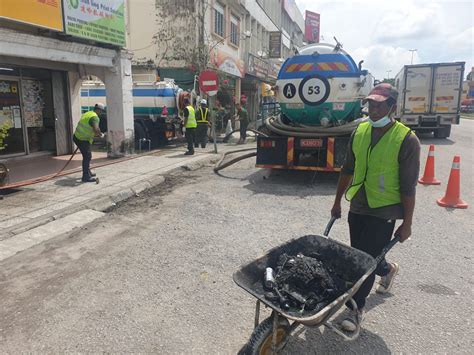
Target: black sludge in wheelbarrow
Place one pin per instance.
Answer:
(339, 264)
(307, 282)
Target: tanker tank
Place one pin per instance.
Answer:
(322, 87)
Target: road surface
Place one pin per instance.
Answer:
(155, 274)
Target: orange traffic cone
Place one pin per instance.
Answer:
(451, 198)
(428, 177)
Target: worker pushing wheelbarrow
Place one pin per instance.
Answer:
(378, 177)
(329, 264)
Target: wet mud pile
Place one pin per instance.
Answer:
(300, 283)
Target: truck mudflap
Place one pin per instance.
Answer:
(295, 153)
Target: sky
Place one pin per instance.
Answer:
(382, 32)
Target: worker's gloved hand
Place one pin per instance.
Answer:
(102, 135)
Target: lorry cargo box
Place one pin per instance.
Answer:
(430, 96)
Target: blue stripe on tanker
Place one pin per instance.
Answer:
(140, 110)
(167, 92)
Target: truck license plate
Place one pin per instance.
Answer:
(311, 143)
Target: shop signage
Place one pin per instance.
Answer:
(227, 63)
(257, 66)
(97, 20)
(275, 44)
(208, 82)
(41, 13)
(311, 28)
(273, 70)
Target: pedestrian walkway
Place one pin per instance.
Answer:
(37, 165)
(38, 204)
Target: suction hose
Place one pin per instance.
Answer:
(220, 166)
(276, 125)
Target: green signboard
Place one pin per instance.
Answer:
(97, 20)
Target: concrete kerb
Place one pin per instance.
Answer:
(102, 203)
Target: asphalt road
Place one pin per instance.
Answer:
(155, 274)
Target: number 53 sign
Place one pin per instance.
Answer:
(314, 90)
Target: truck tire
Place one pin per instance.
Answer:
(443, 132)
(260, 342)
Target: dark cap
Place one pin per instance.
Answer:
(382, 92)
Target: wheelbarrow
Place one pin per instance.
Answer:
(271, 335)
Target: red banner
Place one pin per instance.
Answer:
(311, 27)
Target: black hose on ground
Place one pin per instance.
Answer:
(218, 165)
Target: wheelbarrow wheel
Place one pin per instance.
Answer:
(260, 342)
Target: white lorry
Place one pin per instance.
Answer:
(430, 96)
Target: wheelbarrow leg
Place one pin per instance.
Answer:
(355, 334)
(257, 314)
(274, 332)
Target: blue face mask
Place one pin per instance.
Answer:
(381, 122)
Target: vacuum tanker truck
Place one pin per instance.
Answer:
(320, 92)
(151, 124)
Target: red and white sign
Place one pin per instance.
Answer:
(311, 28)
(208, 82)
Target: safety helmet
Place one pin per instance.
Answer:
(203, 102)
(100, 105)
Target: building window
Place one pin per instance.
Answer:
(219, 28)
(234, 30)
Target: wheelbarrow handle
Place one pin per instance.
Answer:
(329, 226)
(387, 249)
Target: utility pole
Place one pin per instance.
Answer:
(388, 74)
(412, 52)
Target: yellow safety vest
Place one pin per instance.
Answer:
(377, 167)
(191, 122)
(84, 131)
(203, 115)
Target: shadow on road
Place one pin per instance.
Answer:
(307, 340)
(293, 183)
(427, 138)
(68, 182)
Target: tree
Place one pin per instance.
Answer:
(469, 76)
(390, 81)
(182, 38)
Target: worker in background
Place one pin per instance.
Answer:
(242, 117)
(164, 112)
(202, 118)
(190, 125)
(86, 130)
(379, 179)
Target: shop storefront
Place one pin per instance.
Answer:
(260, 75)
(230, 71)
(30, 100)
(41, 72)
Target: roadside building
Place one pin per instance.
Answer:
(179, 38)
(46, 49)
(245, 41)
(277, 32)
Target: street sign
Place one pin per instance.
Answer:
(208, 82)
